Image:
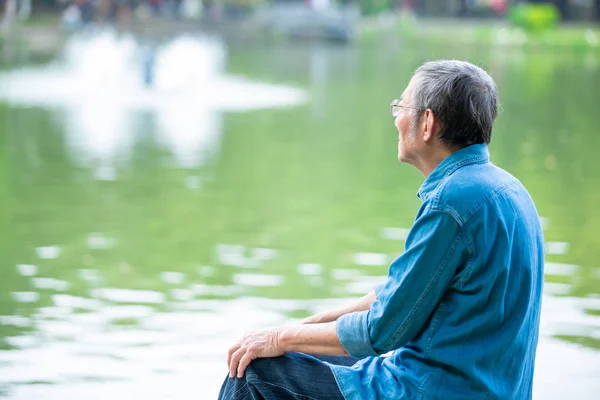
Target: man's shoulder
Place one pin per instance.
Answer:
(471, 187)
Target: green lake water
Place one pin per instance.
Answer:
(138, 245)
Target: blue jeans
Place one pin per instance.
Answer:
(295, 376)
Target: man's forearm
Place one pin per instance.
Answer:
(362, 304)
(312, 339)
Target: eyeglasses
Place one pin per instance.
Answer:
(395, 108)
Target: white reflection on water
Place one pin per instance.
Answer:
(182, 294)
(363, 285)
(25, 297)
(126, 312)
(173, 278)
(129, 295)
(206, 270)
(200, 289)
(48, 252)
(15, 320)
(235, 255)
(231, 254)
(109, 69)
(67, 301)
(99, 241)
(394, 233)
(181, 354)
(50, 283)
(371, 259)
(259, 280)
(557, 248)
(553, 268)
(27, 269)
(341, 274)
(557, 288)
(90, 275)
(309, 269)
(99, 83)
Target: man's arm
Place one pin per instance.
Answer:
(435, 248)
(274, 342)
(362, 304)
(317, 335)
(312, 339)
(417, 280)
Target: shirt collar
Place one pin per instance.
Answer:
(468, 155)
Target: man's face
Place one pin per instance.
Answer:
(407, 135)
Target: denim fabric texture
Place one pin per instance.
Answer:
(293, 376)
(458, 316)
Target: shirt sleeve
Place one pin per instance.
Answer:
(417, 280)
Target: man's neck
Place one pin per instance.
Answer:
(429, 161)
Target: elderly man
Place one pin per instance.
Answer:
(458, 316)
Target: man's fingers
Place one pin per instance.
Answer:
(235, 360)
(244, 362)
(232, 350)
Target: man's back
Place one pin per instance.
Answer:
(489, 317)
(479, 341)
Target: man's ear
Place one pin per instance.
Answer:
(430, 125)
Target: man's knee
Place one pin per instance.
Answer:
(260, 371)
(263, 368)
(234, 389)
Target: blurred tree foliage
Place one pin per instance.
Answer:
(534, 17)
(369, 7)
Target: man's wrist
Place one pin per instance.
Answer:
(284, 337)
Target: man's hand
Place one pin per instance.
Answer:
(258, 344)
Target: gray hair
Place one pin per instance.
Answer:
(463, 98)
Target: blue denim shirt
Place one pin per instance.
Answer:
(459, 312)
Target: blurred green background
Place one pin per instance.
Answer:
(107, 227)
